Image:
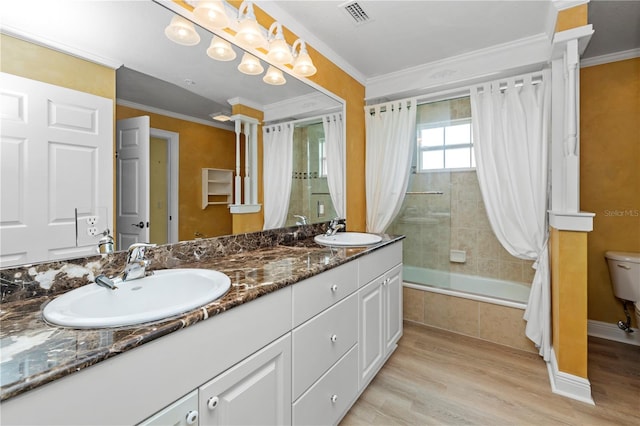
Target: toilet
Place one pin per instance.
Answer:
(624, 270)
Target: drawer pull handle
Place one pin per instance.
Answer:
(334, 398)
(192, 417)
(212, 403)
(334, 338)
(334, 288)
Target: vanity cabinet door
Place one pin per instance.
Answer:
(380, 322)
(183, 412)
(371, 343)
(392, 288)
(256, 391)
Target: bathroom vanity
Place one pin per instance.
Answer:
(298, 337)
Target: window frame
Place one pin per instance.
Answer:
(444, 147)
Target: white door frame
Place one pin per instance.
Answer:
(173, 144)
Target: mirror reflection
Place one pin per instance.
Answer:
(178, 88)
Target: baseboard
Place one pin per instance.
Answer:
(568, 385)
(608, 331)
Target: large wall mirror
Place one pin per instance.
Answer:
(180, 88)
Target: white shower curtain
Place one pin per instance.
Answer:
(334, 143)
(510, 137)
(390, 137)
(277, 167)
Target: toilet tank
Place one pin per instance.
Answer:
(624, 270)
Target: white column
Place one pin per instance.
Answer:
(238, 179)
(248, 134)
(565, 211)
(254, 162)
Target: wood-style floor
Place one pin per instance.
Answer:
(437, 377)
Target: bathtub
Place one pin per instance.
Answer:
(488, 290)
(484, 308)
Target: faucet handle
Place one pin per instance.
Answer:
(136, 251)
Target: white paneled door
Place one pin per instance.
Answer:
(132, 180)
(56, 151)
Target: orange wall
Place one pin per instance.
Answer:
(610, 172)
(569, 301)
(572, 18)
(32, 61)
(200, 147)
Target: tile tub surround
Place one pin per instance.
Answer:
(257, 263)
(486, 321)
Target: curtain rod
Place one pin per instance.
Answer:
(457, 92)
(302, 120)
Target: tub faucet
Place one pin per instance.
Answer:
(302, 221)
(136, 263)
(335, 225)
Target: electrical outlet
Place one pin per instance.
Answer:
(92, 220)
(92, 231)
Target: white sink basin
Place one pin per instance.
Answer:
(347, 239)
(165, 293)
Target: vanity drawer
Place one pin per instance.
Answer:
(320, 342)
(327, 401)
(317, 293)
(378, 262)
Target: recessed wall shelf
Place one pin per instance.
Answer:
(217, 187)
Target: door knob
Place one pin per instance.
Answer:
(139, 225)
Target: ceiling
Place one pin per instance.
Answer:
(399, 35)
(404, 34)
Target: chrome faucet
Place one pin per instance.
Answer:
(335, 225)
(302, 221)
(136, 266)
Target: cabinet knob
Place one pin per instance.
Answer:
(334, 338)
(212, 403)
(334, 398)
(192, 417)
(334, 288)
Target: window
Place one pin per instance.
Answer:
(445, 146)
(322, 157)
(444, 135)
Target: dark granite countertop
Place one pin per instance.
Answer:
(34, 353)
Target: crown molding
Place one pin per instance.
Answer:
(293, 25)
(519, 54)
(60, 47)
(567, 4)
(610, 57)
(300, 107)
(245, 102)
(171, 114)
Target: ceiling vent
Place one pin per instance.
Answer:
(356, 12)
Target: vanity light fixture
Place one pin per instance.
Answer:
(249, 32)
(279, 52)
(274, 76)
(212, 12)
(221, 50)
(302, 65)
(250, 65)
(182, 32)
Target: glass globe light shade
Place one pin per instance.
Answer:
(182, 32)
(274, 76)
(279, 52)
(212, 12)
(250, 65)
(221, 50)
